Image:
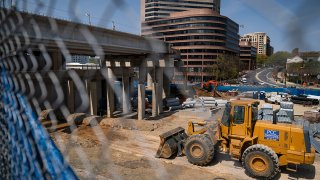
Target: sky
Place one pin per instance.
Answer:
(289, 23)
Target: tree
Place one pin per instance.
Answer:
(226, 67)
(279, 58)
(91, 60)
(261, 59)
(295, 52)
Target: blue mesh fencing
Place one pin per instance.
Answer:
(292, 91)
(26, 150)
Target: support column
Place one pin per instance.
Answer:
(141, 101)
(168, 75)
(126, 105)
(70, 96)
(110, 93)
(155, 102)
(99, 97)
(160, 92)
(141, 90)
(57, 61)
(150, 78)
(93, 98)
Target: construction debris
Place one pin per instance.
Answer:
(312, 116)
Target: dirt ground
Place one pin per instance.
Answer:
(125, 149)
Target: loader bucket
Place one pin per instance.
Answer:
(171, 142)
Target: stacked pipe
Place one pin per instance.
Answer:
(173, 104)
(315, 98)
(208, 101)
(221, 102)
(189, 103)
(304, 100)
(204, 102)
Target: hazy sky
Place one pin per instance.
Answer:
(289, 23)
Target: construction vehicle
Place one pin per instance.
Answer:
(208, 88)
(262, 146)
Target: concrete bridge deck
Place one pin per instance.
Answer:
(37, 46)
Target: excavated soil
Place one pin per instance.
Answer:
(125, 149)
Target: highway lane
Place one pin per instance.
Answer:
(262, 76)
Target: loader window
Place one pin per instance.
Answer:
(226, 115)
(238, 115)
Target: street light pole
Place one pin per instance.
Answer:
(113, 26)
(285, 78)
(89, 16)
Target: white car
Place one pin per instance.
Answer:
(244, 80)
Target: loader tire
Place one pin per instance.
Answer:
(199, 149)
(260, 162)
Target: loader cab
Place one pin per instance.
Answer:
(239, 119)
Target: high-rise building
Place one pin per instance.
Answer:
(157, 9)
(201, 35)
(261, 41)
(248, 56)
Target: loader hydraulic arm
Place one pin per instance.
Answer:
(191, 130)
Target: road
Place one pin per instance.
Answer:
(262, 76)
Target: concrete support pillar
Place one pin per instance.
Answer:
(160, 92)
(150, 78)
(70, 96)
(110, 93)
(93, 99)
(142, 74)
(57, 61)
(155, 102)
(141, 90)
(99, 97)
(126, 105)
(141, 101)
(168, 75)
(132, 86)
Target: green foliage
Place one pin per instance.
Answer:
(309, 68)
(91, 60)
(312, 67)
(225, 68)
(295, 52)
(279, 58)
(261, 59)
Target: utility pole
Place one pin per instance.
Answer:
(89, 16)
(285, 78)
(113, 26)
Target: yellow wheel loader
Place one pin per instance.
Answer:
(261, 146)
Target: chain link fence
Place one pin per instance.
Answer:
(34, 86)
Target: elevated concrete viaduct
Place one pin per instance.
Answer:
(41, 45)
